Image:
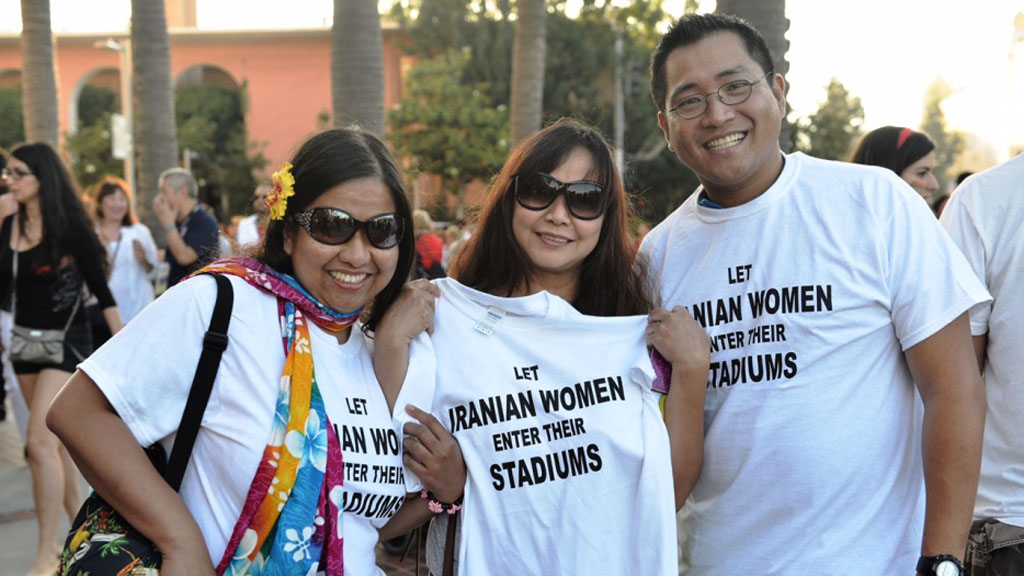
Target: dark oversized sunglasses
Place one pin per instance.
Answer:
(585, 199)
(334, 226)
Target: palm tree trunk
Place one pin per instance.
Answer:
(39, 77)
(156, 141)
(769, 17)
(528, 69)
(357, 65)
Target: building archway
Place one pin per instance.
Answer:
(207, 74)
(100, 82)
(210, 109)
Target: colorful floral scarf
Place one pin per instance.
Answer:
(291, 520)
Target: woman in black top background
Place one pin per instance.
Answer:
(57, 250)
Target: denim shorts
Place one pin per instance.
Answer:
(994, 549)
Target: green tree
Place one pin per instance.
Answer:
(90, 144)
(211, 123)
(94, 102)
(833, 129)
(12, 120)
(91, 149)
(449, 128)
(948, 144)
(579, 68)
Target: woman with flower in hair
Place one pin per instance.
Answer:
(298, 451)
(910, 154)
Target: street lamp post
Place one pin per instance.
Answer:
(124, 48)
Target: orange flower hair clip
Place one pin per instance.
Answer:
(284, 188)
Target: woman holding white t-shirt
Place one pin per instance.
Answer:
(131, 252)
(297, 374)
(566, 473)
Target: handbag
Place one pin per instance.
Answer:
(36, 345)
(101, 541)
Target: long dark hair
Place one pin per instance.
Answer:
(59, 200)
(892, 147)
(610, 282)
(326, 160)
(108, 186)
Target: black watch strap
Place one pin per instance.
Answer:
(927, 565)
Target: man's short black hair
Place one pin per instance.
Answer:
(693, 28)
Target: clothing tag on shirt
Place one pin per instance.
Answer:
(489, 323)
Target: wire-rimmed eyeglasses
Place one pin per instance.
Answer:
(689, 106)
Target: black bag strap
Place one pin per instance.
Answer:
(448, 565)
(214, 343)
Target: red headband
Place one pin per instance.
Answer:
(904, 134)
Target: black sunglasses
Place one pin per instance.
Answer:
(585, 199)
(334, 226)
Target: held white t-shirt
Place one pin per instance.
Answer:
(129, 282)
(984, 218)
(810, 293)
(146, 370)
(567, 454)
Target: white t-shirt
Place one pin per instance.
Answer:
(129, 282)
(810, 293)
(984, 218)
(248, 233)
(146, 371)
(568, 456)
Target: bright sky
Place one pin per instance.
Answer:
(886, 52)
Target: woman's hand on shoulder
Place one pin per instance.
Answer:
(410, 314)
(679, 339)
(432, 453)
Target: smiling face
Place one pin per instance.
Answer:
(114, 206)
(554, 241)
(24, 185)
(733, 150)
(921, 176)
(348, 276)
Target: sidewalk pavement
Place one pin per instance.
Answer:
(18, 530)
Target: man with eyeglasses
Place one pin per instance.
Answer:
(829, 291)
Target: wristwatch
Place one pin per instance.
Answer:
(941, 565)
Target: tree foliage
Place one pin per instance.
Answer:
(948, 144)
(579, 73)
(449, 128)
(90, 149)
(832, 130)
(12, 119)
(90, 144)
(211, 123)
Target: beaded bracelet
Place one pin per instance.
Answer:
(438, 507)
